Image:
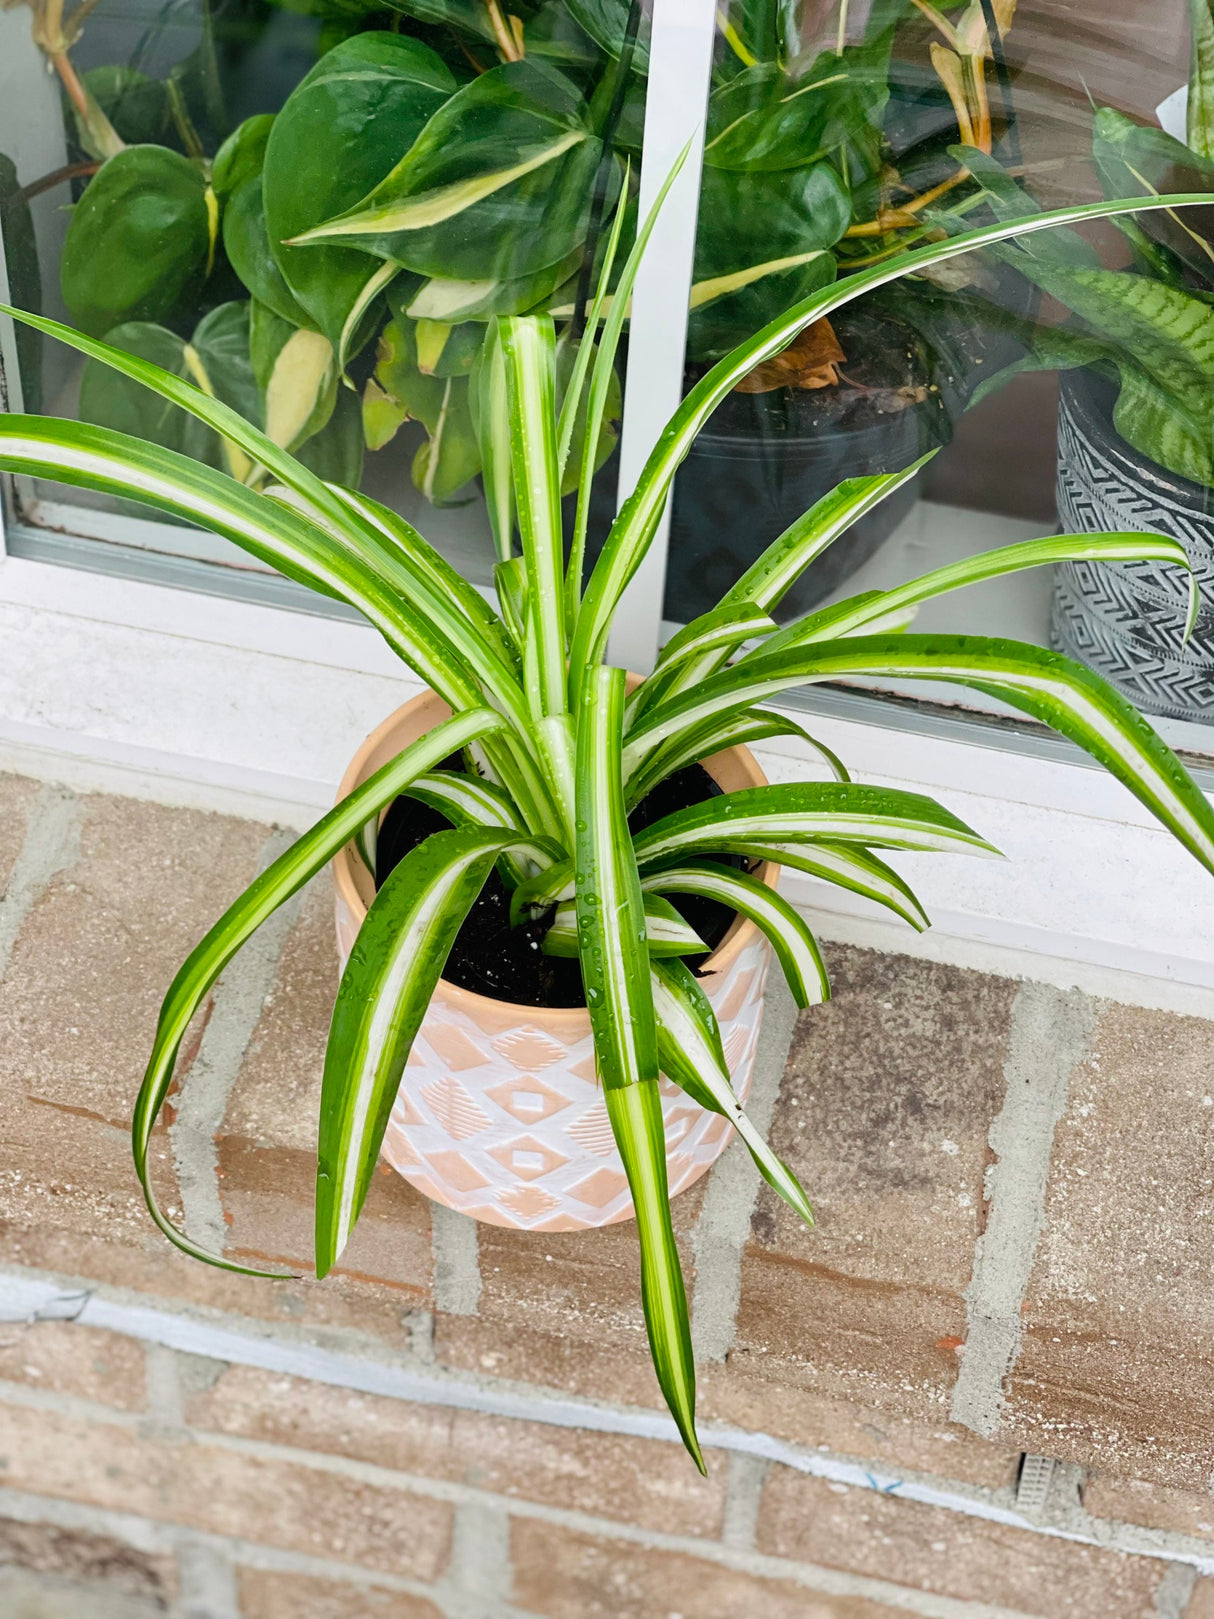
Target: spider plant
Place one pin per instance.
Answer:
(558, 750)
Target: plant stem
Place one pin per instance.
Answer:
(942, 23)
(982, 105)
(48, 182)
(841, 36)
(503, 33)
(904, 214)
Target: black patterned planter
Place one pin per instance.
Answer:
(1126, 620)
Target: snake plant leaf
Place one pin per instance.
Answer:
(339, 133)
(140, 240)
(286, 876)
(808, 812)
(795, 946)
(761, 246)
(496, 187)
(247, 244)
(845, 866)
(619, 998)
(1063, 695)
(242, 155)
(666, 932)
(689, 1044)
(24, 277)
(1133, 159)
(858, 614)
(1199, 116)
(632, 532)
(394, 967)
(606, 22)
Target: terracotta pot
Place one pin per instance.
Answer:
(499, 1113)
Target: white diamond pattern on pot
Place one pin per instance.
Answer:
(506, 1121)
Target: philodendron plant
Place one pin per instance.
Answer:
(557, 751)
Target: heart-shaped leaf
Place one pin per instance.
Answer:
(342, 129)
(140, 240)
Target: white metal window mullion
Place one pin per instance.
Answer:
(680, 68)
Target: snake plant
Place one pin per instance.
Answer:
(558, 751)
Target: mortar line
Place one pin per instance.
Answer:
(455, 1247)
(1050, 1035)
(723, 1226)
(1174, 1591)
(238, 998)
(207, 1577)
(51, 845)
(1078, 1528)
(809, 1576)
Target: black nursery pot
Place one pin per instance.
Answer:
(748, 477)
(1126, 620)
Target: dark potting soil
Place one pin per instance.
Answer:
(494, 959)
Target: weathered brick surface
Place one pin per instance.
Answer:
(46, 1596)
(884, 1114)
(640, 1481)
(888, 1440)
(1117, 1365)
(563, 1309)
(95, 1560)
(1201, 1603)
(931, 1549)
(266, 1499)
(268, 1146)
(265, 1595)
(1128, 1500)
(17, 795)
(564, 1575)
(68, 1359)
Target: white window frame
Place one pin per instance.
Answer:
(235, 691)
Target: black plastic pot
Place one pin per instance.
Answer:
(1126, 620)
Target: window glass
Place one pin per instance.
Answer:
(311, 209)
(1061, 382)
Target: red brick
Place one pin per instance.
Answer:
(930, 1548)
(1201, 1603)
(72, 1554)
(885, 1107)
(276, 1501)
(641, 1481)
(887, 1439)
(1127, 1500)
(564, 1575)
(265, 1595)
(84, 1361)
(1117, 1364)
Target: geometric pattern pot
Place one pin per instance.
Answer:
(499, 1113)
(1126, 620)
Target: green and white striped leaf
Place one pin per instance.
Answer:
(634, 527)
(572, 402)
(491, 392)
(809, 812)
(735, 730)
(871, 612)
(844, 865)
(666, 933)
(689, 1046)
(259, 901)
(510, 581)
(795, 946)
(635, 1112)
(470, 801)
(1064, 695)
(394, 967)
(529, 350)
(553, 886)
(619, 998)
